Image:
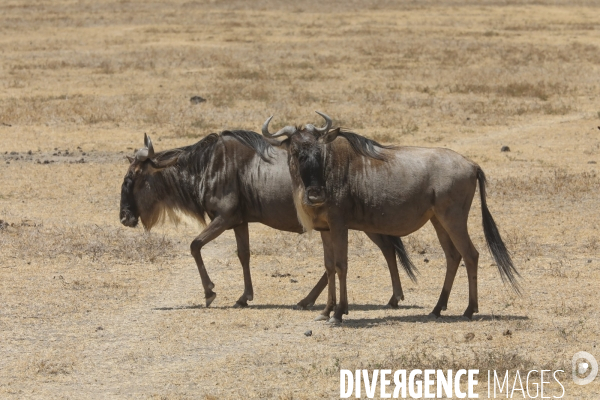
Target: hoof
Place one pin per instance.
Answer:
(437, 312)
(322, 317)
(300, 307)
(334, 321)
(240, 304)
(210, 299)
(469, 312)
(432, 316)
(391, 306)
(466, 318)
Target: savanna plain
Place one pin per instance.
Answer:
(92, 309)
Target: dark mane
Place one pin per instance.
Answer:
(365, 147)
(179, 184)
(178, 192)
(253, 140)
(197, 155)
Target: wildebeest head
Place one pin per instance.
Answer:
(306, 156)
(138, 195)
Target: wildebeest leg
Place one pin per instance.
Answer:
(330, 276)
(339, 236)
(212, 231)
(242, 238)
(310, 299)
(453, 258)
(456, 226)
(387, 248)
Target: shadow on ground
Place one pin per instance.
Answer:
(373, 322)
(354, 307)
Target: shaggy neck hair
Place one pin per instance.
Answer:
(179, 189)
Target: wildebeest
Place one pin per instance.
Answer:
(356, 183)
(235, 178)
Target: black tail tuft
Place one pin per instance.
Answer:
(404, 259)
(507, 270)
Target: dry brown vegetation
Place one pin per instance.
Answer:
(91, 309)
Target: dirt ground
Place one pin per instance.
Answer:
(91, 309)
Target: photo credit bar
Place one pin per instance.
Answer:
(415, 384)
(460, 384)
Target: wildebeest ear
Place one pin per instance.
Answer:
(162, 164)
(148, 145)
(330, 136)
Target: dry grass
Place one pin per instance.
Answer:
(92, 309)
(96, 243)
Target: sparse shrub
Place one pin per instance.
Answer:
(50, 367)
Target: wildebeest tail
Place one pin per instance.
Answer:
(404, 259)
(507, 270)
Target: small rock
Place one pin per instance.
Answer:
(505, 148)
(469, 336)
(197, 100)
(591, 162)
(99, 329)
(30, 152)
(308, 333)
(293, 281)
(426, 260)
(489, 337)
(589, 261)
(507, 333)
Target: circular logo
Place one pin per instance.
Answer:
(582, 361)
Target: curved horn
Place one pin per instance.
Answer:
(287, 131)
(328, 123)
(149, 146)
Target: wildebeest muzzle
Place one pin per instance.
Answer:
(315, 195)
(128, 211)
